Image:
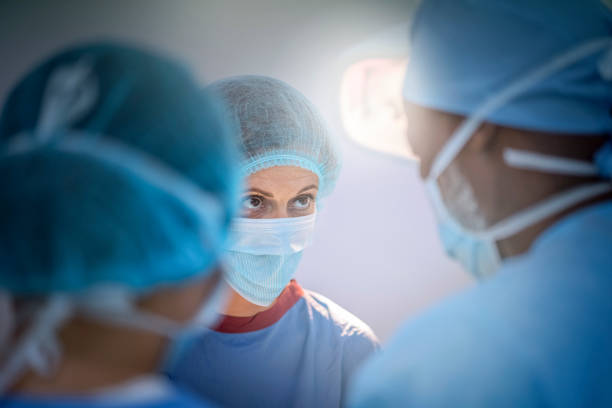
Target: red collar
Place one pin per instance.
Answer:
(289, 297)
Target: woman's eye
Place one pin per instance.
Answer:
(251, 203)
(302, 202)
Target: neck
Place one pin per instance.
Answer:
(521, 242)
(238, 306)
(97, 356)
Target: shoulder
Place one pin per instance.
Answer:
(489, 345)
(169, 396)
(185, 399)
(348, 325)
(452, 355)
(334, 317)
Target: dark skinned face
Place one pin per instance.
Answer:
(499, 190)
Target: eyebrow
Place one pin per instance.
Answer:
(270, 195)
(308, 188)
(262, 192)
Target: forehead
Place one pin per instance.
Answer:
(285, 177)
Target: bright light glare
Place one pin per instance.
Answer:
(371, 105)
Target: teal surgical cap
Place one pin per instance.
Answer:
(278, 126)
(464, 51)
(115, 169)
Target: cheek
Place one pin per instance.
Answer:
(426, 138)
(486, 176)
(296, 211)
(181, 303)
(416, 137)
(311, 210)
(460, 198)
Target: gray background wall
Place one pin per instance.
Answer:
(376, 250)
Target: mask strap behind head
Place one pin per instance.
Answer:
(465, 131)
(37, 347)
(531, 160)
(526, 160)
(540, 211)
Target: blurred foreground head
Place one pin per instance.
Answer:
(118, 179)
(508, 110)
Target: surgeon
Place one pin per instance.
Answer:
(509, 111)
(277, 345)
(118, 181)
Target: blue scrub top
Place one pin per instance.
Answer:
(537, 334)
(299, 353)
(149, 392)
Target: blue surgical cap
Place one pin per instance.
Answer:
(278, 126)
(69, 221)
(464, 51)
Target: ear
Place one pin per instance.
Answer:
(484, 139)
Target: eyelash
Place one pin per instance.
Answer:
(263, 206)
(252, 196)
(309, 196)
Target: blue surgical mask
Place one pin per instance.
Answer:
(264, 255)
(472, 241)
(478, 256)
(476, 248)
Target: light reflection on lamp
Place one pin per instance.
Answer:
(371, 105)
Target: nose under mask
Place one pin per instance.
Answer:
(459, 208)
(460, 199)
(264, 254)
